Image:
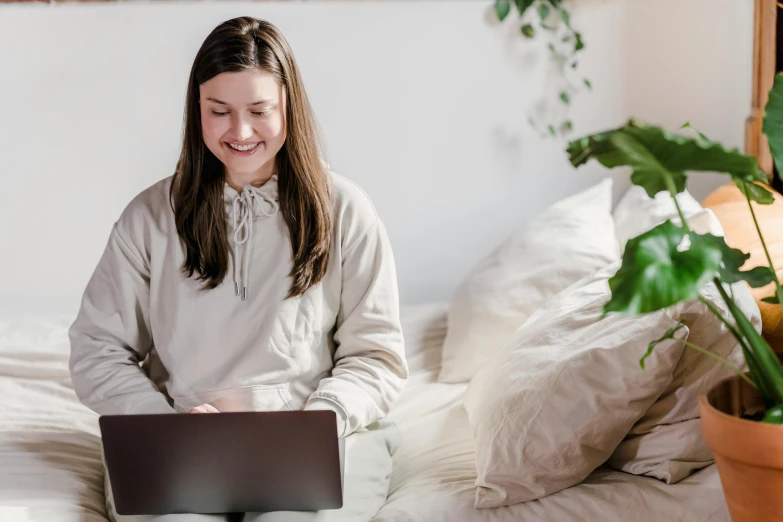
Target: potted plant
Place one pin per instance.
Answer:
(742, 416)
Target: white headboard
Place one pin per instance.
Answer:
(421, 103)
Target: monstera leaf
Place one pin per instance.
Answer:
(658, 271)
(753, 191)
(659, 159)
(670, 264)
(733, 259)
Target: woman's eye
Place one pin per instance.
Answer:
(262, 113)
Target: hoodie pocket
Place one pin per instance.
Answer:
(260, 397)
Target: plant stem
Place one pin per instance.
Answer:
(761, 237)
(732, 367)
(719, 315)
(673, 191)
(778, 288)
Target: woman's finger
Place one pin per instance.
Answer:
(204, 408)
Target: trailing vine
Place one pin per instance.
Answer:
(552, 19)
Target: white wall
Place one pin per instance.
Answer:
(422, 103)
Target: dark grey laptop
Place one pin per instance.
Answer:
(224, 462)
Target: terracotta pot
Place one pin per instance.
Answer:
(749, 454)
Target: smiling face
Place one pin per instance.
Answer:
(243, 124)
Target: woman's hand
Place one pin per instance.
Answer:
(204, 408)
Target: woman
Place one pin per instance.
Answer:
(253, 279)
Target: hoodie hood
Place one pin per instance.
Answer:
(242, 209)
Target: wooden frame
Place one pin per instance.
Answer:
(764, 68)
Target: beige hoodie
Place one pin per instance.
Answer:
(339, 346)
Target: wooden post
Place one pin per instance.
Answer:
(764, 52)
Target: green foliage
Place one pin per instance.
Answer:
(543, 12)
(774, 415)
(670, 263)
(522, 5)
(565, 42)
(502, 9)
(773, 122)
(658, 157)
(656, 273)
(668, 335)
(755, 192)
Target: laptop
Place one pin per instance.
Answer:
(224, 462)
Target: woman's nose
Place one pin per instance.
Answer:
(242, 129)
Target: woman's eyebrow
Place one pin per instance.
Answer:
(259, 102)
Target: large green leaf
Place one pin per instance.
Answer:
(773, 121)
(731, 262)
(752, 191)
(648, 172)
(755, 192)
(658, 157)
(755, 277)
(657, 271)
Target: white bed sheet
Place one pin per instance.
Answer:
(51, 470)
(50, 462)
(434, 472)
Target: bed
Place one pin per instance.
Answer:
(51, 464)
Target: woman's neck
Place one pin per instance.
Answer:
(258, 178)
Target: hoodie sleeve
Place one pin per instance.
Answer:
(111, 335)
(369, 362)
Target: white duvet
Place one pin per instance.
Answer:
(51, 471)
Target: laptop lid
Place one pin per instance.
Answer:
(224, 462)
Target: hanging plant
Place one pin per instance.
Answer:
(553, 21)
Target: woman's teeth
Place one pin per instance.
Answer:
(243, 147)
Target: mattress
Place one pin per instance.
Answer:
(434, 473)
(50, 463)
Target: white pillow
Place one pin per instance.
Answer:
(568, 241)
(666, 443)
(636, 212)
(557, 400)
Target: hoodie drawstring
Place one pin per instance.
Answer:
(242, 218)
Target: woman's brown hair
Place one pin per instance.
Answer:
(241, 44)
